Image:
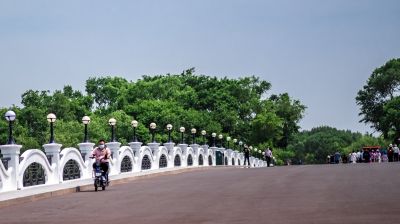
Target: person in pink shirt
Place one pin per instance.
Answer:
(102, 154)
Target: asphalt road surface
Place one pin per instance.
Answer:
(346, 193)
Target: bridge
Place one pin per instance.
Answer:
(346, 193)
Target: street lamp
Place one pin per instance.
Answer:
(234, 143)
(169, 128)
(112, 123)
(240, 146)
(203, 133)
(228, 139)
(220, 136)
(134, 125)
(263, 153)
(182, 130)
(10, 117)
(152, 130)
(193, 135)
(86, 121)
(51, 118)
(213, 135)
(259, 154)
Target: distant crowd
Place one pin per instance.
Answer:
(367, 155)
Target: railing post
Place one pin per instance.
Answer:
(136, 146)
(86, 152)
(184, 154)
(195, 148)
(115, 165)
(11, 157)
(52, 151)
(155, 148)
(213, 151)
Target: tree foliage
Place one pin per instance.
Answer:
(233, 107)
(379, 99)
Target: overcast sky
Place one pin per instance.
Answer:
(320, 52)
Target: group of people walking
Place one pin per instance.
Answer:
(367, 155)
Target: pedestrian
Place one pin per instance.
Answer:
(395, 153)
(390, 153)
(379, 155)
(337, 157)
(366, 156)
(268, 156)
(246, 155)
(353, 157)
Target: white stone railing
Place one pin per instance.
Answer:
(56, 166)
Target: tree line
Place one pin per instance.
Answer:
(242, 108)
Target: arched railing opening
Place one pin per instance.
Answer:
(177, 160)
(201, 160)
(210, 161)
(233, 161)
(190, 160)
(163, 161)
(126, 164)
(146, 163)
(34, 175)
(71, 170)
(226, 161)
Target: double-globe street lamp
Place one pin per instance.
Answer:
(10, 117)
(169, 128)
(51, 118)
(86, 121)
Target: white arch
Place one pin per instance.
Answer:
(126, 151)
(146, 151)
(34, 156)
(180, 158)
(72, 153)
(164, 150)
(204, 159)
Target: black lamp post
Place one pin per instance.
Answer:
(203, 133)
(234, 143)
(112, 122)
(169, 128)
(240, 146)
(182, 130)
(152, 130)
(134, 125)
(228, 139)
(213, 135)
(220, 136)
(10, 117)
(86, 121)
(193, 135)
(51, 118)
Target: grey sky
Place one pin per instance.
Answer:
(320, 51)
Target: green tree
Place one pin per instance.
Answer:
(378, 99)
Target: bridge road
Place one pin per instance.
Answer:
(360, 193)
